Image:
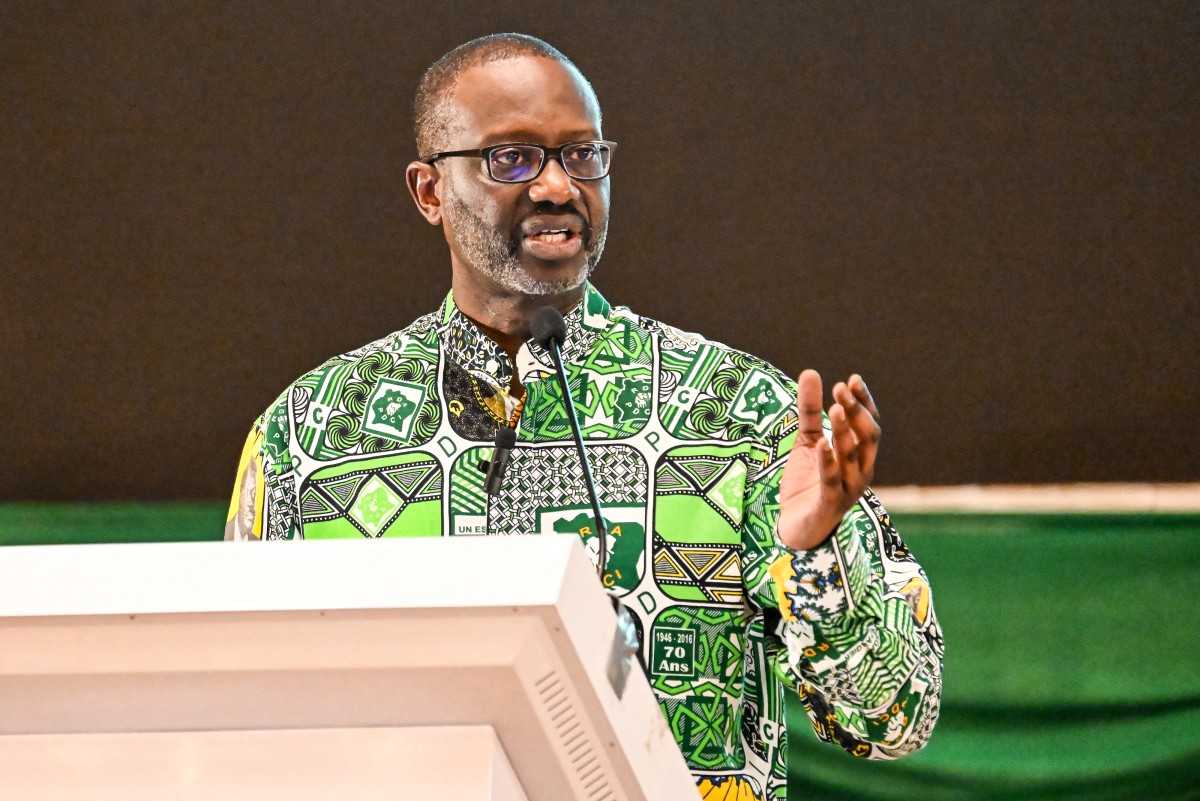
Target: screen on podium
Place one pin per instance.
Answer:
(422, 668)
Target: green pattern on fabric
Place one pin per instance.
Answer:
(397, 496)
(386, 441)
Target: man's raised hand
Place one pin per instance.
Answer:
(822, 481)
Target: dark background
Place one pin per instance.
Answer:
(989, 209)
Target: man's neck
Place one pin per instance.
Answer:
(504, 317)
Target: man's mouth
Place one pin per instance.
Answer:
(552, 237)
(561, 235)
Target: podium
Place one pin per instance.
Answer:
(457, 668)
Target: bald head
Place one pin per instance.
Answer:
(434, 107)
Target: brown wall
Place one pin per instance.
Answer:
(989, 209)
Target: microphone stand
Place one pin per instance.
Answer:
(554, 345)
(549, 330)
(601, 529)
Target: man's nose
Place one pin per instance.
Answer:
(553, 185)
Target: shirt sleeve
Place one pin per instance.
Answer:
(244, 520)
(862, 646)
(264, 503)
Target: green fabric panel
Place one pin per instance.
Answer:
(67, 523)
(1072, 656)
(1072, 652)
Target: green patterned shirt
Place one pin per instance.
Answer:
(687, 440)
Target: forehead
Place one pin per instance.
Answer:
(530, 99)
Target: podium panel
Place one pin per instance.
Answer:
(383, 764)
(316, 642)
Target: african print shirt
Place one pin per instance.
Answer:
(687, 440)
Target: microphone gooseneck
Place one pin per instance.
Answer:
(550, 331)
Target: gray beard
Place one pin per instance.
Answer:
(490, 254)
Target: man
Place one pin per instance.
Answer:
(743, 537)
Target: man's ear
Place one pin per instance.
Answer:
(422, 180)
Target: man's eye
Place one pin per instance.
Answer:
(509, 157)
(583, 153)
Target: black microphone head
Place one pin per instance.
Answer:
(506, 437)
(547, 325)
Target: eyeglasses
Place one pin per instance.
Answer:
(517, 163)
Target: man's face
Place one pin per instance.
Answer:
(538, 238)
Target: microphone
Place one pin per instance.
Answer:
(550, 331)
(506, 438)
(548, 326)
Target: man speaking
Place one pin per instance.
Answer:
(736, 523)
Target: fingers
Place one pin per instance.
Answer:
(846, 446)
(858, 387)
(856, 398)
(863, 419)
(808, 403)
(854, 420)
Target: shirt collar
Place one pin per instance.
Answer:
(472, 350)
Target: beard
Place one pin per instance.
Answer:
(496, 257)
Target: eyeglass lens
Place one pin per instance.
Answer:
(516, 163)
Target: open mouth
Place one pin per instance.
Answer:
(552, 237)
(556, 235)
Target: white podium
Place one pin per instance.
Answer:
(464, 668)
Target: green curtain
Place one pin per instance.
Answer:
(1072, 652)
(67, 523)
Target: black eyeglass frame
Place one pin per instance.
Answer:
(547, 153)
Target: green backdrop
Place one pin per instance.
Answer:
(1072, 651)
